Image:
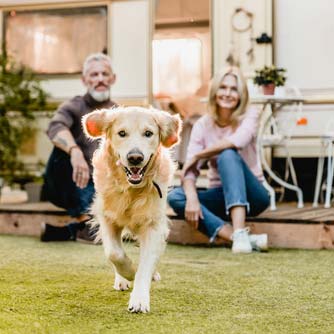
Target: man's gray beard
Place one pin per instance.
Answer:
(99, 96)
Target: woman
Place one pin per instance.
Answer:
(226, 137)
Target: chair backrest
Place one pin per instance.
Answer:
(287, 119)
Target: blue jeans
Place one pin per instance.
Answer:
(60, 189)
(240, 187)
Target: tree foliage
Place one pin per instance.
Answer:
(20, 95)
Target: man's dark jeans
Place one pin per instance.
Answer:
(60, 189)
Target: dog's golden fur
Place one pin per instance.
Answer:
(131, 168)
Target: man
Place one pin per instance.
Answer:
(68, 177)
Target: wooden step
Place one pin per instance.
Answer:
(280, 234)
(26, 218)
(288, 227)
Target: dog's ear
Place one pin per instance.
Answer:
(94, 123)
(170, 127)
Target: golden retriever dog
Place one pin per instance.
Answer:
(132, 171)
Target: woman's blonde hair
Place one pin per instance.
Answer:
(242, 91)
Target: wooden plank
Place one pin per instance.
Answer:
(283, 212)
(182, 233)
(280, 235)
(28, 224)
(311, 236)
(38, 207)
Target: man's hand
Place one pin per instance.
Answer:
(193, 212)
(80, 174)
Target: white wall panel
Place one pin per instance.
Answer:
(304, 43)
(131, 48)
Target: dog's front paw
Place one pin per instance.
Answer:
(139, 304)
(121, 284)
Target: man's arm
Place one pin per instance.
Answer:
(64, 140)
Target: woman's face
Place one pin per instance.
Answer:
(227, 96)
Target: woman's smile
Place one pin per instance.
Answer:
(227, 96)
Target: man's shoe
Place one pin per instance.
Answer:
(88, 235)
(54, 233)
(241, 241)
(259, 242)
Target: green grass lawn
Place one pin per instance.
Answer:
(67, 288)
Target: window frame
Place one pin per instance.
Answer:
(59, 6)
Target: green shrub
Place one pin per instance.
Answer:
(20, 95)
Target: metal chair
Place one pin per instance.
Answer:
(276, 131)
(327, 141)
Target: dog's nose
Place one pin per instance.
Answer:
(135, 157)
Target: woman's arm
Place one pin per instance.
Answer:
(196, 144)
(247, 130)
(206, 154)
(214, 150)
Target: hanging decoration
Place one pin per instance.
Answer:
(241, 23)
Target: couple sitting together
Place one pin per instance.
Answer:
(225, 137)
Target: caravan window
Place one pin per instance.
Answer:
(55, 41)
(177, 66)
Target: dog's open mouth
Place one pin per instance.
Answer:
(136, 174)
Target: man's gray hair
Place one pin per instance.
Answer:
(97, 57)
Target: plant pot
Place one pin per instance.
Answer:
(268, 89)
(34, 191)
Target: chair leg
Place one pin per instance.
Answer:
(295, 188)
(329, 182)
(320, 170)
(271, 194)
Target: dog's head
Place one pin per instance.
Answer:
(135, 135)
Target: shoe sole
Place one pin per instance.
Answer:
(241, 251)
(264, 246)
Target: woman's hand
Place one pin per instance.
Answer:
(193, 212)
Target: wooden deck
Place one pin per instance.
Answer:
(287, 227)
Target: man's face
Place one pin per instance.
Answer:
(98, 79)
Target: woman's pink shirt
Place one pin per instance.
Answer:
(206, 133)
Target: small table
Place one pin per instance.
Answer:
(275, 138)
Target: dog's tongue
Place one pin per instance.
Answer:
(135, 173)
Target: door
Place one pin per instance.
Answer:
(242, 31)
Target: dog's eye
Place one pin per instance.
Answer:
(148, 133)
(122, 133)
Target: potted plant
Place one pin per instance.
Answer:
(269, 77)
(20, 95)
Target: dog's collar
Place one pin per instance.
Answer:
(158, 189)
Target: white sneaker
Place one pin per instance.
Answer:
(259, 242)
(241, 241)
